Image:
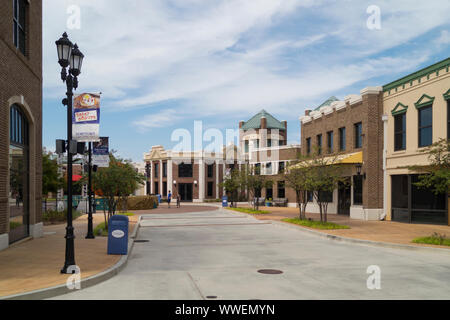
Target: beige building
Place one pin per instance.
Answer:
(416, 114)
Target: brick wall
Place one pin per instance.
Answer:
(21, 76)
(369, 112)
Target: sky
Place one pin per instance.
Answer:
(163, 64)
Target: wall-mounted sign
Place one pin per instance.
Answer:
(86, 117)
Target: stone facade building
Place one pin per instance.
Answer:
(196, 176)
(352, 128)
(20, 120)
(417, 114)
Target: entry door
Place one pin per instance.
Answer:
(344, 198)
(185, 191)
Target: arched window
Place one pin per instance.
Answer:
(18, 175)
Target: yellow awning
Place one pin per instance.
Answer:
(350, 158)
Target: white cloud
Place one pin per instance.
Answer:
(161, 119)
(444, 38)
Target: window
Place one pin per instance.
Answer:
(319, 144)
(358, 190)
(308, 146)
(342, 139)
(257, 169)
(330, 138)
(269, 142)
(425, 126)
(310, 196)
(246, 146)
(18, 175)
(156, 188)
(281, 167)
(358, 135)
(269, 193)
(400, 132)
(269, 168)
(156, 169)
(257, 143)
(210, 170)
(185, 170)
(164, 188)
(281, 189)
(19, 24)
(165, 169)
(325, 196)
(210, 189)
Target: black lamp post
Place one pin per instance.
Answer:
(90, 234)
(69, 55)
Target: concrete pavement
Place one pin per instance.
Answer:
(218, 253)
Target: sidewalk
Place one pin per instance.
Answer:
(36, 264)
(381, 231)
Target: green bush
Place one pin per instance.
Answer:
(54, 216)
(101, 230)
(13, 225)
(316, 224)
(139, 203)
(435, 238)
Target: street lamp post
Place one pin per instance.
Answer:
(90, 234)
(69, 55)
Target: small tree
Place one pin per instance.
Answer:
(232, 184)
(324, 176)
(51, 179)
(436, 175)
(297, 178)
(116, 183)
(254, 182)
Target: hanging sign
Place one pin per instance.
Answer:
(86, 117)
(100, 153)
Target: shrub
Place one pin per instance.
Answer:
(249, 211)
(55, 217)
(316, 224)
(435, 238)
(139, 203)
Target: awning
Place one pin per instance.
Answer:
(349, 158)
(76, 177)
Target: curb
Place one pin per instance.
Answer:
(361, 241)
(85, 283)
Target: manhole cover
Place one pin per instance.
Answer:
(141, 241)
(270, 271)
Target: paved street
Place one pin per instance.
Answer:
(216, 253)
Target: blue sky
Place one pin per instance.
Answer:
(162, 64)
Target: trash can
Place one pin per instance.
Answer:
(224, 201)
(118, 235)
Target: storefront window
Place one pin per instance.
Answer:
(358, 190)
(18, 176)
(400, 132)
(425, 126)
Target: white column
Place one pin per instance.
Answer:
(385, 177)
(201, 178)
(217, 179)
(161, 178)
(169, 176)
(152, 173)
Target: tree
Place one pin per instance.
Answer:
(436, 175)
(254, 182)
(116, 183)
(232, 184)
(51, 179)
(324, 175)
(297, 178)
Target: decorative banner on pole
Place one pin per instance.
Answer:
(100, 153)
(86, 117)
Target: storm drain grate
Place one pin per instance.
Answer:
(211, 297)
(141, 241)
(270, 271)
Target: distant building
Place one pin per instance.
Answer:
(20, 121)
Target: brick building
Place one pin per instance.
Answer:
(352, 128)
(20, 120)
(417, 109)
